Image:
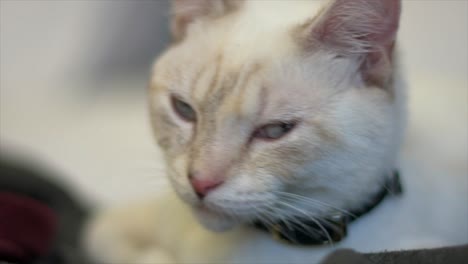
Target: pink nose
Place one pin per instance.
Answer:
(202, 187)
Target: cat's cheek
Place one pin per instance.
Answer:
(212, 221)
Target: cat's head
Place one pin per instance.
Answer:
(268, 109)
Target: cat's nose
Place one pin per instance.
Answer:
(203, 186)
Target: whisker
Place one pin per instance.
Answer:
(327, 222)
(271, 224)
(309, 217)
(286, 222)
(296, 222)
(315, 202)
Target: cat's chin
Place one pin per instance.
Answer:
(213, 221)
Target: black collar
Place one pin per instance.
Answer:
(331, 229)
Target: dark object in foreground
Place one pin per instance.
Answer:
(27, 227)
(446, 255)
(40, 221)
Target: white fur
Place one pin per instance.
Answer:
(368, 124)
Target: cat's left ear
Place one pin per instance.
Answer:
(362, 29)
(184, 12)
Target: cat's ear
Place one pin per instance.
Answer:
(185, 12)
(365, 29)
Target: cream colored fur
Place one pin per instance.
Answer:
(239, 70)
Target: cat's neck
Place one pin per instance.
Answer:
(330, 228)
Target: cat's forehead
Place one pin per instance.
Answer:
(222, 88)
(226, 65)
(259, 30)
(215, 78)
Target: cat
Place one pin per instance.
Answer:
(269, 111)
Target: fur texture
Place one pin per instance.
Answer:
(241, 79)
(328, 67)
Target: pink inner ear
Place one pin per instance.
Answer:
(358, 26)
(377, 66)
(366, 28)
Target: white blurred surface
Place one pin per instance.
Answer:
(101, 142)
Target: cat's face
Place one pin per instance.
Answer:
(255, 115)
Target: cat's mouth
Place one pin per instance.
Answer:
(220, 214)
(213, 219)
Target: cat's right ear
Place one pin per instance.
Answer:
(363, 29)
(185, 12)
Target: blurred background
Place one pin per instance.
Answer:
(73, 77)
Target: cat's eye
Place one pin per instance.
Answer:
(274, 131)
(183, 109)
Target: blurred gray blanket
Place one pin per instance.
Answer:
(449, 255)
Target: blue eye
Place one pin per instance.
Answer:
(274, 131)
(183, 110)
